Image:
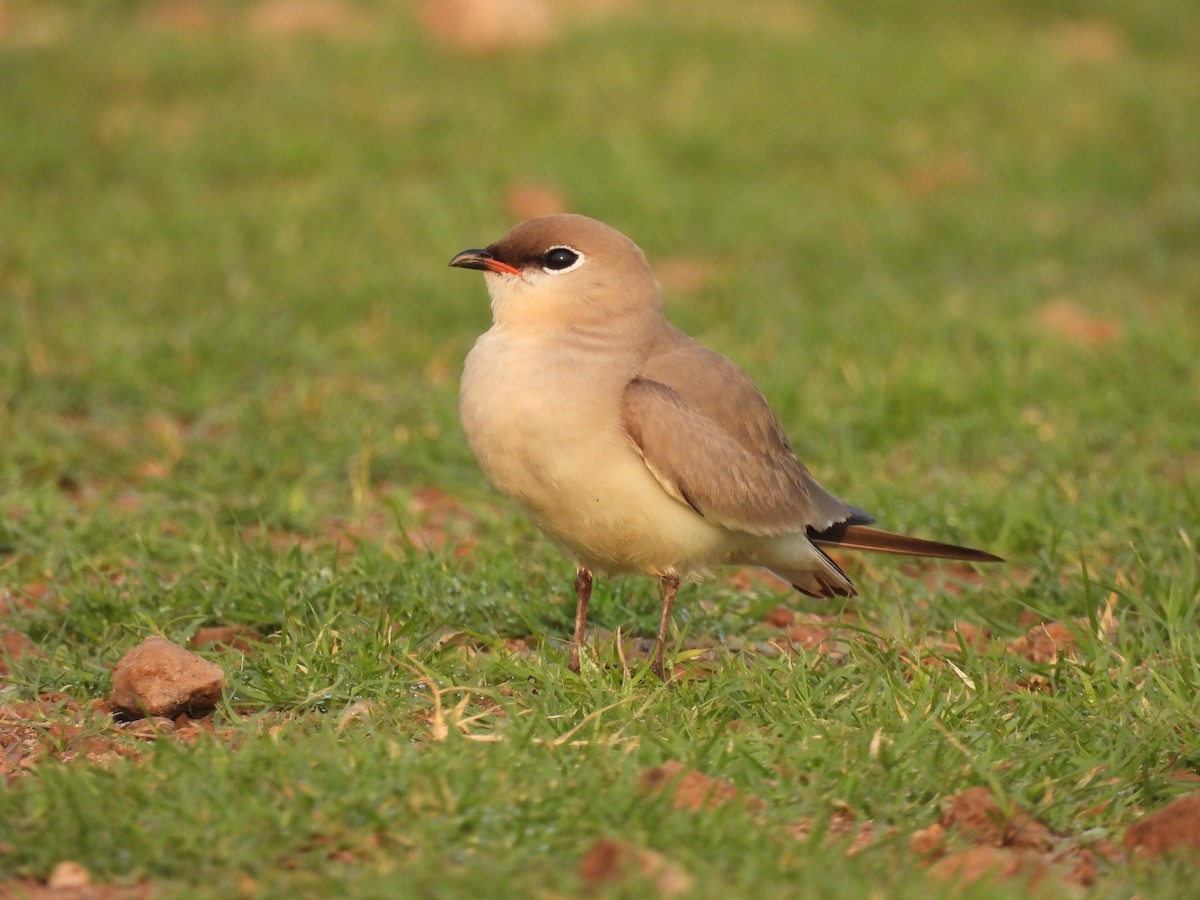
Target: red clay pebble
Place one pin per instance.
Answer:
(218, 637)
(987, 863)
(68, 875)
(975, 813)
(1174, 827)
(14, 645)
(489, 26)
(159, 678)
(1045, 643)
(612, 863)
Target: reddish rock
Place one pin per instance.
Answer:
(489, 26)
(780, 617)
(989, 864)
(68, 875)
(1045, 643)
(971, 635)
(685, 275)
(1082, 868)
(1175, 827)
(690, 790)
(14, 645)
(975, 813)
(610, 863)
(1064, 319)
(159, 678)
(810, 636)
(928, 842)
(524, 201)
(236, 637)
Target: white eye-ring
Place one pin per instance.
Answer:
(560, 260)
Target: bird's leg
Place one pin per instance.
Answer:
(670, 584)
(583, 595)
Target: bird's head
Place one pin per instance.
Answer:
(565, 269)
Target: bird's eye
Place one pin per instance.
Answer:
(561, 259)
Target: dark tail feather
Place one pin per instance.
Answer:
(860, 537)
(825, 581)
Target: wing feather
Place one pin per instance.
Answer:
(727, 469)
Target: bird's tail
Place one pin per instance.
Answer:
(823, 579)
(862, 537)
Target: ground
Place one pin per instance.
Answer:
(956, 249)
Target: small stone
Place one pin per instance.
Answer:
(928, 841)
(611, 862)
(159, 678)
(690, 790)
(489, 26)
(68, 875)
(220, 637)
(1046, 643)
(1175, 827)
(988, 863)
(13, 646)
(525, 201)
(780, 617)
(975, 813)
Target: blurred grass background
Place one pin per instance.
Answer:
(956, 245)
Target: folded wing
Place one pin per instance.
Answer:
(710, 439)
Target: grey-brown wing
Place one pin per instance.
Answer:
(715, 387)
(727, 461)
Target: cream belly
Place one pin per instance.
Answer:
(541, 411)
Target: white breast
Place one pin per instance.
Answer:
(541, 411)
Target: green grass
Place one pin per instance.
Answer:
(225, 315)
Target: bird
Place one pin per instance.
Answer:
(633, 447)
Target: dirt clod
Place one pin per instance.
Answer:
(236, 637)
(527, 200)
(690, 790)
(1068, 321)
(68, 876)
(928, 841)
(14, 645)
(986, 862)
(1007, 845)
(609, 861)
(488, 26)
(1046, 643)
(975, 813)
(780, 617)
(1174, 827)
(159, 678)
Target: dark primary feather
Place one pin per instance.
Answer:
(852, 536)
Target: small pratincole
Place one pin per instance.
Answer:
(634, 448)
